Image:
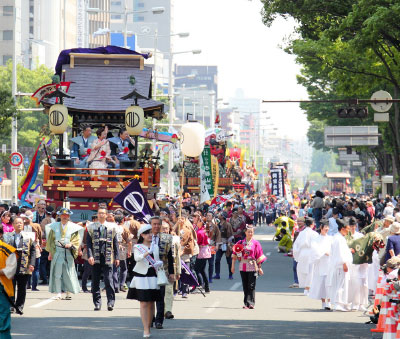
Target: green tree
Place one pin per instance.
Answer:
(317, 181)
(30, 124)
(347, 48)
(324, 162)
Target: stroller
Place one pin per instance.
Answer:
(188, 278)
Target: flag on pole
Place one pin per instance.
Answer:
(134, 201)
(29, 179)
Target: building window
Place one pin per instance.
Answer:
(115, 3)
(140, 5)
(140, 18)
(7, 35)
(6, 58)
(8, 10)
(116, 17)
(31, 29)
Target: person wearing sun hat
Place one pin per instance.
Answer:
(393, 241)
(144, 287)
(63, 240)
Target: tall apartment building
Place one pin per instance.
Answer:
(45, 27)
(200, 91)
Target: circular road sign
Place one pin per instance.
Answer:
(16, 159)
(381, 106)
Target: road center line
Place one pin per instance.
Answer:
(213, 306)
(191, 334)
(42, 303)
(235, 286)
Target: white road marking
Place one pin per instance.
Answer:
(213, 306)
(235, 286)
(268, 253)
(191, 334)
(42, 303)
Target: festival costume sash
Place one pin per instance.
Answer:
(148, 257)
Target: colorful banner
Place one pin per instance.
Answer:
(277, 183)
(134, 201)
(206, 182)
(29, 179)
(221, 199)
(215, 173)
(39, 95)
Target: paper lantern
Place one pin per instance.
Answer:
(134, 120)
(192, 139)
(58, 119)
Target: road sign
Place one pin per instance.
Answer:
(351, 136)
(376, 173)
(348, 157)
(16, 159)
(381, 106)
(357, 163)
(1, 180)
(381, 117)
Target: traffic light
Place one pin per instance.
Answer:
(353, 112)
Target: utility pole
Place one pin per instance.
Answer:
(14, 131)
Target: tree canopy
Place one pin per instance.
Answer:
(347, 49)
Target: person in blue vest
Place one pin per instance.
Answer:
(121, 145)
(80, 147)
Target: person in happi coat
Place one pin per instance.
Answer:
(63, 240)
(8, 267)
(301, 253)
(358, 286)
(320, 256)
(339, 275)
(81, 146)
(26, 254)
(103, 251)
(251, 259)
(121, 145)
(164, 242)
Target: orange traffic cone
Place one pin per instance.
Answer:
(385, 304)
(378, 292)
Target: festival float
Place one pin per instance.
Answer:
(107, 86)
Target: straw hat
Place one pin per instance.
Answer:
(395, 228)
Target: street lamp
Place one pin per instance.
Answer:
(172, 111)
(125, 13)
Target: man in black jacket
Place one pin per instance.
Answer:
(26, 253)
(102, 247)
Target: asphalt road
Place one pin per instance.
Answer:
(280, 312)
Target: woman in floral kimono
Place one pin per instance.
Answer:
(250, 255)
(100, 153)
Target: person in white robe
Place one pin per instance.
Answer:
(358, 286)
(320, 256)
(339, 275)
(302, 255)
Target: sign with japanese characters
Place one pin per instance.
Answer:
(206, 182)
(277, 183)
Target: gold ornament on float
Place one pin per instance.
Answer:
(134, 120)
(58, 119)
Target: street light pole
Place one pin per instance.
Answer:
(14, 130)
(171, 120)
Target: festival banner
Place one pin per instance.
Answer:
(221, 199)
(215, 173)
(30, 177)
(45, 90)
(133, 200)
(277, 183)
(206, 183)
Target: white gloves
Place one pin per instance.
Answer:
(152, 246)
(158, 265)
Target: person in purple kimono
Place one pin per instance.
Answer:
(250, 255)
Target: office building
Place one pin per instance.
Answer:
(45, 27)
(199, 86)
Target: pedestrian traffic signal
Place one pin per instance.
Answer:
(353, 112)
